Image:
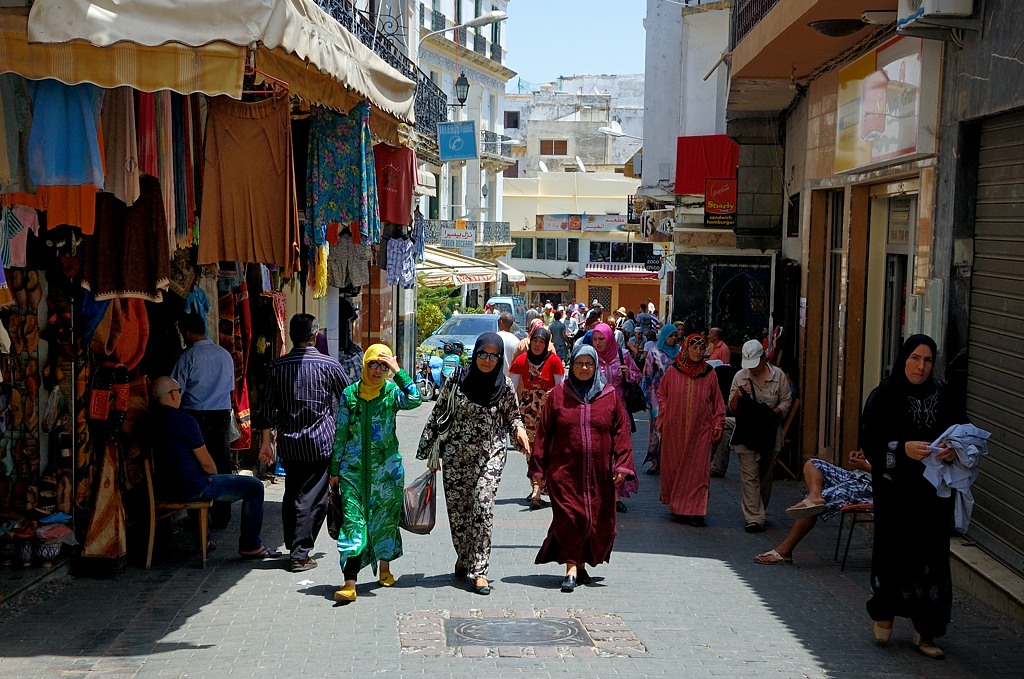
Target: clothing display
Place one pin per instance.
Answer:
(348, 263)
(401, 265)
(128, 256)
(396, 180)
(248, 211)
(235, 337)
(120, 144)
(10, 226)
(17, 247)
(15, 125)
(64, 144)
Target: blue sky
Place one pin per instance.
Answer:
(549, 38)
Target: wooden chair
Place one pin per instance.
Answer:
(863, 512)
(159, 510)
(787, 439)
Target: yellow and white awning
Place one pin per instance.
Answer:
(444, 267)
(512, 275)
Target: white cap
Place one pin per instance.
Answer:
(752, 352)
(595, 303)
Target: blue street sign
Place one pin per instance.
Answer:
(457, 141)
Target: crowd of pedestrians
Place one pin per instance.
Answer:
(561, 400)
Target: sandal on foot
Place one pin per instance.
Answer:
(928, 648)
(772, 558)
(263, 552)
(386, 579)
(805, 509)
(345, 595)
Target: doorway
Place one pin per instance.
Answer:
(902, 213)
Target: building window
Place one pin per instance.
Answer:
(554, 147)
(478, 8)
(435, 5)
(512, 120)
(621, 252)
(600, 251)
(523, 248)
(641, 251)
(574, 249)
(496, 30)
(512, 171)
(559, 249)
(458, 11)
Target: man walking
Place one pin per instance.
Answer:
(505, 322)
(206, 373)
(558, 335)
(300, 401)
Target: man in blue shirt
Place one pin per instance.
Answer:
(185, 471)
(206, 373)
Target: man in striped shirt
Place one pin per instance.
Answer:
(300, 400)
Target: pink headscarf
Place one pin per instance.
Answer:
(611, 349)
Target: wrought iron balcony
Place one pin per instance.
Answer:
(480, 44)
(461, 36)
(487, 233)
(495, 52)
(497, 144)
(437, 21)
(431, 105)
(747, 14)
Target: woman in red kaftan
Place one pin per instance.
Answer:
(581, 451)
(691, 415)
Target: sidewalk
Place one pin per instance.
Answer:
(675, 601)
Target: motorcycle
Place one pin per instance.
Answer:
(434, 369)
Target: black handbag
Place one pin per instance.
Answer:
(634, 395)
(757, 425)
(335, 513)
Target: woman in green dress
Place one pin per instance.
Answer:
(367, 468)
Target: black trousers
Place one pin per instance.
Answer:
(214, 426)
(304, 508)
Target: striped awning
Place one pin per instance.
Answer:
(612, 270)
(443, 267)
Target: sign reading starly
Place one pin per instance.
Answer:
(720, 203)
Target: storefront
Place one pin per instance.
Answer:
(160, 216)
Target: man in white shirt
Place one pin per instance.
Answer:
(510, 341)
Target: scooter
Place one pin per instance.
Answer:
(434, 369)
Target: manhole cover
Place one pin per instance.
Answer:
(515, 632)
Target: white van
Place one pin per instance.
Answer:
(514, 304)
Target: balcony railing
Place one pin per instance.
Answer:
(495, 52)
(747, 14)
(487, 233)
(438, 21)
(480, 44)
(431, 105)
(497, 144)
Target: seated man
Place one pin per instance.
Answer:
(187, 473)
(828, 488)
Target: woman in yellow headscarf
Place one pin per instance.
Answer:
(367, 468)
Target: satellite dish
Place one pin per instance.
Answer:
(580, 165)
(543, 166)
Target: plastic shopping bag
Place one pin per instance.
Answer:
(419, 505)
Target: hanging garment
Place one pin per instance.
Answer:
(106, 537)
(248, 208)
(15, 123)
(397, 176)
(402, 263)
(165, 162)
(120, 144)
(420, 237)
(348, 263)
(145, 129)
(18, 245)
(64, 144)
(128, 257)
(235, 337)
(341, 181)
(10, 226)
(71, 205)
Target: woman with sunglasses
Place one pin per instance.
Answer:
(366, 467)
(472, 416)
(657, 360)
(691, 415)
(582, 451)
(534, 374)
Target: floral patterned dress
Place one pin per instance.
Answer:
(534, 389)
(472, 460)
(369, 467)
(654, 369)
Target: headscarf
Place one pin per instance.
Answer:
(687, 366)
(539, 359)
(663, 344)
(587, 390)
(535, 323)
(367, 391)
(898, 377)
(611, 348)
(485, 389)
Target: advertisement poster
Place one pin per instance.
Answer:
(590, 223)
(720, 203)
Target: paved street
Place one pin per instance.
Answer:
(675, 601)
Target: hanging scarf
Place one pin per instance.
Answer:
(663, 345)
(485, 388)
(687, 366)
(587, 390)
(611, 348)
(367, 391)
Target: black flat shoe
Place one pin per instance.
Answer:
(461, 571)
(697, 521)
(483, 589)
(620, 507)
(569, 584)
(535, 501)
(582, 577)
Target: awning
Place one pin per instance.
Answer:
(295, 41)
(511, 275)
(427, 185)
(633, 271)
(443, 267)
(712, 156)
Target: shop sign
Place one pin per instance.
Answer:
(888, 105)
(459, 238)
(589, 223)
(457, 140)
(720, 203)
(653, 263)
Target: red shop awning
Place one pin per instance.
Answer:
(713, 156)
(632, 271)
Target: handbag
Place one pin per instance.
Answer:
(419, 499)
(634, 395)
(756, 424)
(335, 513)
(234, 432)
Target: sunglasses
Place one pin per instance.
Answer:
(488, 355)
(585, 365)
(377, 365)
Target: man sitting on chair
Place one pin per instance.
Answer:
(828, 488)
(187, 473)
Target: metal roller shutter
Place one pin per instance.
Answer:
(995, 388)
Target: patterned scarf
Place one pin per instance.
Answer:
(683, 362)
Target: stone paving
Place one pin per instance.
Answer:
(675, 601)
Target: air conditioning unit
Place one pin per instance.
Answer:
(931, 13)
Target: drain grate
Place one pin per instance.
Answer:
(515, 632)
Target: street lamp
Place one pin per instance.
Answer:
(461, 89)
(614, 129)
(485, 19)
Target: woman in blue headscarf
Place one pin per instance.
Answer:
(658, 359)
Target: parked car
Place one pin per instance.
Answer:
(514, 304)
(464, 328)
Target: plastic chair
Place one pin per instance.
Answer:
(160, 510)
(863, 512)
